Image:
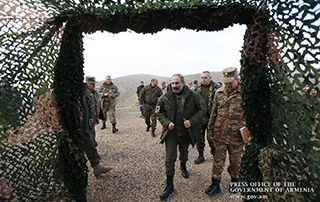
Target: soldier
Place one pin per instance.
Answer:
(163, 87)
(90, 149)
(149, 95)
(95, 103)
(180, 112)
(207, 90)
(226, 119)
(108, 93)
(138, 94)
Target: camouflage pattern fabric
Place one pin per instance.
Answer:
(204, 123)
(225, 120)
(150, 94)
(109, 103)
(96, 105)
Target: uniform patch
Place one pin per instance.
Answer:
(157, 109)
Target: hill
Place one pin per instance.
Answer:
(128, 85)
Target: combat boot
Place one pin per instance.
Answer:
(214, 187)
(184, 171)
(148, 128)
(98, 170)
(114, 129)
(233, 185)
(152, 132)
(200, 158)
(169, 188)
(103, 125)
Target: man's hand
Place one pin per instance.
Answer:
(171, 126)
(141, 105)
(186, 123)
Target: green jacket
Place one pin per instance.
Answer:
(150, 94)
(193, 108)
(112, 89)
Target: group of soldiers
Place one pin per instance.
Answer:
(187, 114)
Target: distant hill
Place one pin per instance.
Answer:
(128, 85)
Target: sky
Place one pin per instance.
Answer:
(162, 54)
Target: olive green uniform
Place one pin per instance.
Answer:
(207, 93)
(88, 142)
(150, 94)
(175, 107)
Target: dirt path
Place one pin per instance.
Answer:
(138, 166)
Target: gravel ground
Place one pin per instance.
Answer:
(138, 172)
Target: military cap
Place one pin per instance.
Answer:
(229, 74)
(91, 79)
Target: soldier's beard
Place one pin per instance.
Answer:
(177, 90)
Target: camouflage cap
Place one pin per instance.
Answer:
(229, 74)
(91, 79)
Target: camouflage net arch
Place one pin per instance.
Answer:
(41, 46)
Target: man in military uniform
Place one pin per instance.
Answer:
(226, 119)
(95, 103)
(88, 143)
(163, 87)
(108, 93)
(139, 88)
(149, 95)
(180, 111)
(207, 90)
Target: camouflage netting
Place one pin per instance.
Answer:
(41, 54)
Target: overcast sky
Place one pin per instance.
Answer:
(163, 54)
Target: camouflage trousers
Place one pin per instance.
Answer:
(111, 108)
(234, 151)
(171, 151)
(149, 113)
(203, 129)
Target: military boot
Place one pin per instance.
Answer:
(184, 171)
(152, 132)
(114, 129)
(214, 187)
(103, 125)
(233, 185)
(148, 128)
(98, 170)
(169, 188)
(200, 158)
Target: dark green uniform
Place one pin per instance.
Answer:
(87, 113)
(207, 93)
(174, 108)
(150, 94)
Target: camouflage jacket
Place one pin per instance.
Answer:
(212, 90)
(86, 110)
(227, 113)
(112, 89)
(96, 105)
(150, 94)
